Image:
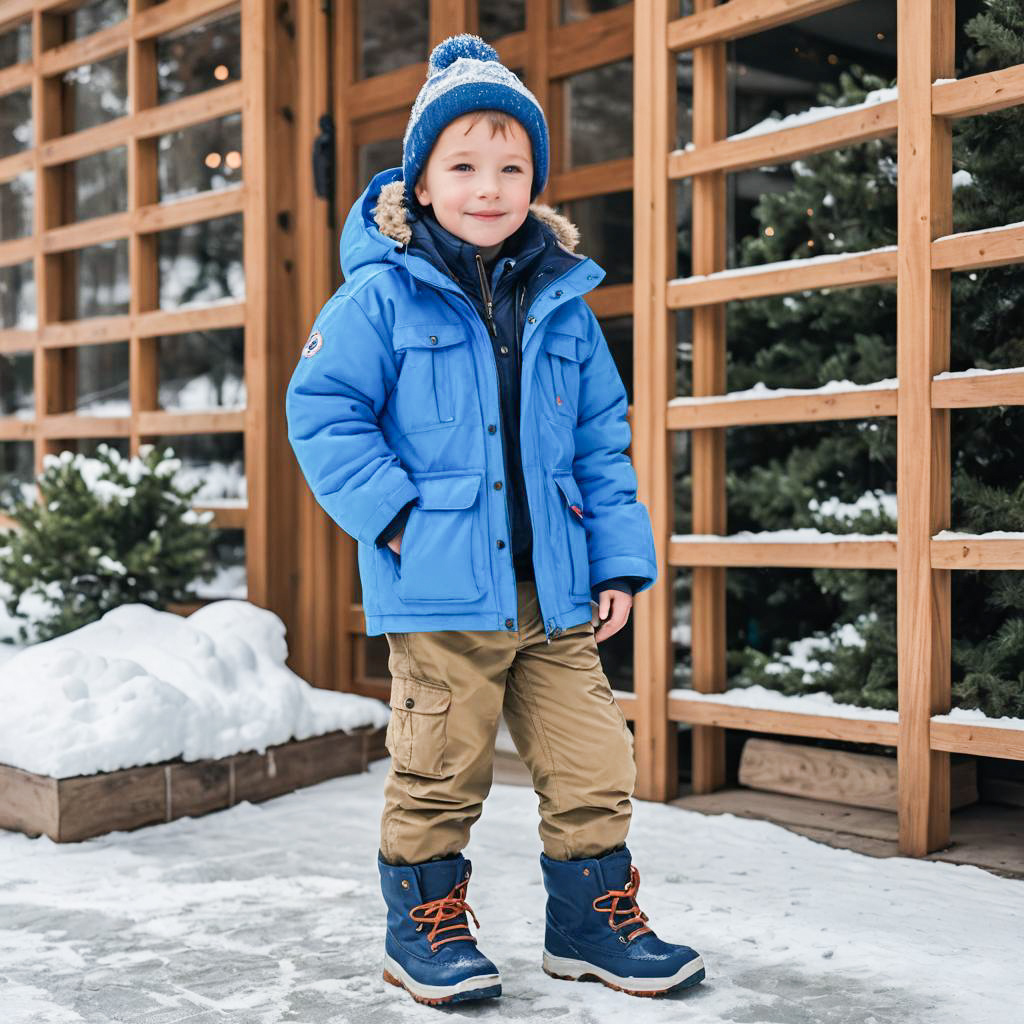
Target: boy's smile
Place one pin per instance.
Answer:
(478, 184)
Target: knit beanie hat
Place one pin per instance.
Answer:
(465, 74)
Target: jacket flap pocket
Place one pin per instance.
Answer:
(428, 335)
(570, 491)
(567, 346)
(450, 490)
(427, 700)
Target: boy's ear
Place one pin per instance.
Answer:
(421, 193)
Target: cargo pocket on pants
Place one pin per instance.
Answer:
(418, 730)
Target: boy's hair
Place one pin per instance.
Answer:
(498, 121)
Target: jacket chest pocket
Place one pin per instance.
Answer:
(559, 373)
(436, 369)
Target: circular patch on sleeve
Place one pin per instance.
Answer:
(313, 345)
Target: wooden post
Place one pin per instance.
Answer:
(925, 40)
(654, 262)
(708, 445)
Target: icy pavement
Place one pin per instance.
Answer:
(272, 912)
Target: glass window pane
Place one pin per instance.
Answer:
(500, 18)
(88, 446)
(16, 202)
(228, 551)
(16, 122)
(101, 380)
(96, 93)
(217, 461)
(91, 17)
(99, 274)
(17, 388)
(601, 114)
(392, 34)
(375, 157)
(17, 471)
(202, 158)
(202, 262)
(97, 184)
(794, 67)
(576, 10)
(16, 44)
(18, 296)
(202, 370)
(606, 233)
(198, 57)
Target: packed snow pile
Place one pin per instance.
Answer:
(140, 686)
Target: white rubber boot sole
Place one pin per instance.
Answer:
(576, 970)
(468, 988)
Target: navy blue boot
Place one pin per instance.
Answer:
(432, 967)
(594, 929)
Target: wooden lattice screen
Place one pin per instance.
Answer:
(920, 266)
(58, 248)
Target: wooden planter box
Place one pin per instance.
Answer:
(71, 809)
(843, 777)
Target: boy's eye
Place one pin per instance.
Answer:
(513, 167)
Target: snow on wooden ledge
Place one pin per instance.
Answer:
(761, 390)
(760, 698)
(800, 535)
(991, 535)
(768, 268)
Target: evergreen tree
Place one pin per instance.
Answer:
(840, 476)
(104, 532)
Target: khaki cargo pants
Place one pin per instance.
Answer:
(448, 690)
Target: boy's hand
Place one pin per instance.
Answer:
(612, 612)
(396, 542)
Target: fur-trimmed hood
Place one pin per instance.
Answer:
(390, 216)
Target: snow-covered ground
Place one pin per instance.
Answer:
(141, 686)
(272, 912)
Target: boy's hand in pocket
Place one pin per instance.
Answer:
(396, 542)
(612, 612)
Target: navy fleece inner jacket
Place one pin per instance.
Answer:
(514, 276)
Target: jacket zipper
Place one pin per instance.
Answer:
(488, 301)
(551, 630)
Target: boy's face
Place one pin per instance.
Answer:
(479, 186)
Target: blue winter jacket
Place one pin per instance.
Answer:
(395, 399)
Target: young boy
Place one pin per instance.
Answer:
(457, 411)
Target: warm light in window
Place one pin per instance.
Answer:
(833, 59)
(810, 212)
(220, 72)
(233, 159)
(769, 231)
(810, 243)
(212, 160)
(879, 35)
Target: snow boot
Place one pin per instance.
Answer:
(432, 968)
(594, 929)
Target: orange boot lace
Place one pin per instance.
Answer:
(444, 909)
(634, 914)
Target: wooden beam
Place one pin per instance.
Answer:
(695, 550)
(786, 723)
(978, 740)
(978, 553)
(850, 270)
(979, 94)
(777, 147)
(654, 367)
(979, 391)
(969, 250)
(925, 48)
(735, 412)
